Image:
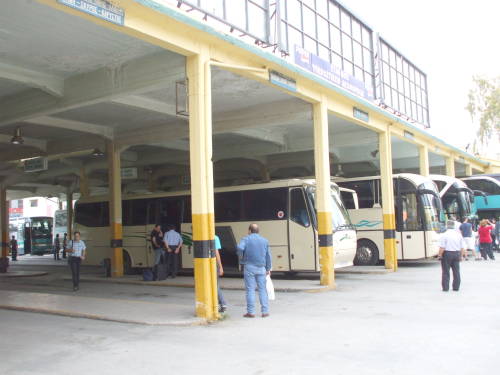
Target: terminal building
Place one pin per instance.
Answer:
(164, 102)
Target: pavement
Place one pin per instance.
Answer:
(392, 323)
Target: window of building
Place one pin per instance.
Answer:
(34, 203)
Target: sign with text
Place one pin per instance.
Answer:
(282, 80)
(360, 115)
(128, 173)
(331, 73)
(99, 8)
(36, 165)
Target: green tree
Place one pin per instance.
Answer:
(484, 107)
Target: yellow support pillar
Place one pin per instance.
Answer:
(4, 222)
(202, 194)
(84, 184)
(423, 153)
(115, 208)
(389, 219)
(468, 170)
(450, 166)
(323, 194)
(69, 210)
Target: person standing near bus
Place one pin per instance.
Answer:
(451, 251)
(466, 231)
(485, 240)
(254, 254)
(220, 273)
(157, 243)
(494, 235)
(13, 248)
(57, 247)
(173, 241)
(65, 245)
(76, 252)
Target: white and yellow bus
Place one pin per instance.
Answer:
(284, 211)
(418, 217)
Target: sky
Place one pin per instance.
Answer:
(451, 41)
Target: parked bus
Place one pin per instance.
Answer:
(457, 198)
(417, 209)
(487, 206)
(38, 235)
(284, 211)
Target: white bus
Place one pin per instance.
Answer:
(284, 211)
(457, 198)
(418, 223)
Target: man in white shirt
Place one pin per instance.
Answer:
(451, 251)
(173, 241)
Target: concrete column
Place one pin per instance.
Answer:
(69, 210)
(84, 185)
(4, 222)
(450, 166)
(323, 194)
(468, 170)
(389, 219)
(423, 153)
(115, 208)
(202, 195)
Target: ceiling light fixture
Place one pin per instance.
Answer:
(17, 139)
(97, 152)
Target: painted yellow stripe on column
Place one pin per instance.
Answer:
(325, 223)
(203, 227)
(391, 254)
(117, 252)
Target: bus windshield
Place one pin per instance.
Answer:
(41, 227)
(430, 208)
(340, 217)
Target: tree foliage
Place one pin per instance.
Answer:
(484, 107)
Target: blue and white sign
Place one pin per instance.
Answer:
(99, 8)
(282, 80)
(331, 73)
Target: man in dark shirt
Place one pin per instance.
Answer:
(157, 243)
(13, 248)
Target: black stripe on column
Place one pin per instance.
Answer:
(204, 249)
(389, 234)
(116, 243)
(325, 240)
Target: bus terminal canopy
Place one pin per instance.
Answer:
(70, 81)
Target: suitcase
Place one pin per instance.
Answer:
(161, 270)
(147, 274)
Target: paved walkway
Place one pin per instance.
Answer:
(116, 310)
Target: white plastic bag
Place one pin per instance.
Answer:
(270, 288)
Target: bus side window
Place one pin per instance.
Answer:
(298, 210)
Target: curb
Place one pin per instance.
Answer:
(191, 286)
(181, 323)
(22, 274)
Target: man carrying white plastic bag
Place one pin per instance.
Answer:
(255, 256)
(270, 288)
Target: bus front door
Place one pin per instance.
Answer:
(300, 234)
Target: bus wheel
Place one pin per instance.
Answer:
(127, 264)
(366, 253)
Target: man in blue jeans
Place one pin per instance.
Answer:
(255, 256)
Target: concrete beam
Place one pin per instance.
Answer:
(265, 135)
(84, 127)
(153, 105)
(48, 83)
(140, 75)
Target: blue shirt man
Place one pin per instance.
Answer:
(254, 254)
(466, 229)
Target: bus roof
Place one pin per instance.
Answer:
(415, 178)
(264, 185)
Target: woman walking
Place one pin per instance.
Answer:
(76, 253)
(485, 240)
